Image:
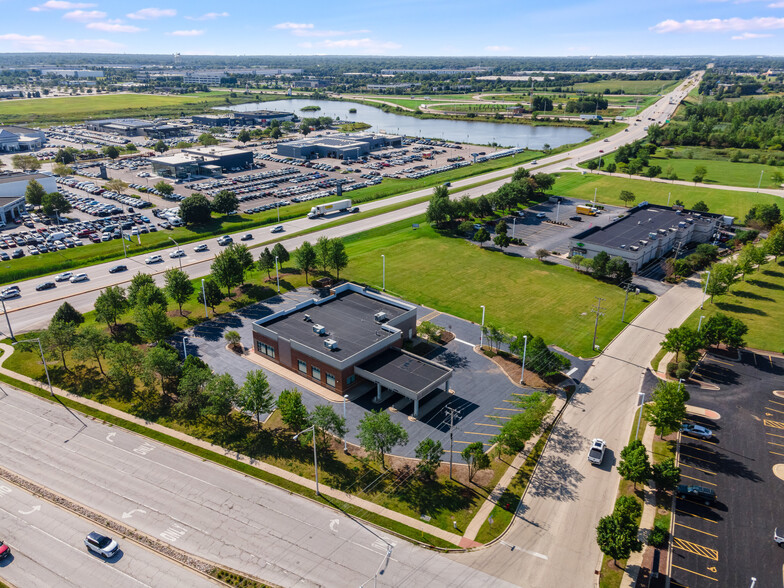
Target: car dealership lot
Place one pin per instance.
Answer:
(731, 541)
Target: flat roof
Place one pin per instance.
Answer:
(404, 369)
(125, 122)
(6, 200)
(637, 225)
(175, 159)
(215, 151)
(19, 176)
(347, 318)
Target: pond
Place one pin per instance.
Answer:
(481, 133)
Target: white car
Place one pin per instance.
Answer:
(200, 248)
(100, 544)
(177, 253)
(78, 278)
(596, 453)
(696, 431)
(278, 229)
(541, 215)
(153, 259)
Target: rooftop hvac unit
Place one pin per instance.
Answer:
(643, 242)
(380, 317)
(651, 235)
(682, 224)
(330, 344)
(663, 231)
(623, 246)
(307, 318)
(634, 248)
(319, 329)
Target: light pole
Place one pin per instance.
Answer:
(204, 298)
(345, 442)
(179, 258)
(277, 273)
(315, 457)
(8, 320)
(700, 325)
(525, 348)
(46, 369)
(482, 328)
(641, 399)
(705, 291)
(184, 349)
(383, 273)
(760, 180)
(514, 224)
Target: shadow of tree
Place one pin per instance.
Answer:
(763, 284)
(555, 478)
(566, 439)
(739, 308)
(752, 296)
(449, 358)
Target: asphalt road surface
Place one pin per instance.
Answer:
(47, 547)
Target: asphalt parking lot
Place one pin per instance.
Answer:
(731, 542)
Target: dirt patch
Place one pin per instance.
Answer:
(173, 313)
(512, 369)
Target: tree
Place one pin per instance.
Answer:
(323, 250)
(137, 282)
(266, 262)
(429, 453)
(255, 395)
(666, 475)
(502, 241)
(327, 421)
(64, 156)
(520, 427)
(68, 314)
(700, 206)
(233, 338)
(195, 210)
(25, 162)
(700, 172)
(747, 259)
(153, 323)
(681, 339)
(577, 261)
(338, 258)
(764, 216)
(720, 278)
(162, 364)
(481, 236)
(667, 410)
(212, 292)
(207, 139)
(243, 136)
(476, 458)
(149, 294)
(164, 188)
(55, 203)
(161, 147)
(116, 185)
(721, 328)
(542, 254)
(628, 509)
(634, 465)
(627, 197)
(62, 170)
(292, 412)
(221, 394)
(774, 244)
(58, 339)
(178, 286)
(281, 253)
(111, 152)
(34, 193)
(191, 389)
(619, 269)
(617, 538)
(439, 209)
(305, 258)
(654, 171)
(378, 434)
(125, 362)
(91, 343)
(225, 202)
(227, 270)
(501, 228)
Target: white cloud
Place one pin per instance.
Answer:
(746, 36)
(190, 33)
(292, 26)
(499, 48)
(113, 27)
(209, 16)
(60, 5)
(776, 5)
(41, 43)
(367, 44)
(84, 15)
(719, 25)
(152, 13)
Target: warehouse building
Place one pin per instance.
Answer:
(351, 337)
(134, 127)
(337, 146)
(12, 192)
(261, 117)
(648, 233)
(13, 138)
(201, 161)
(213, 120)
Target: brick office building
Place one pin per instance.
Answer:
(350, 337)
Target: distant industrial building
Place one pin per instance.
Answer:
(351, 337)
(442, 72)
(11, 94)
(261, 117)
(134, 127)
(13, 138)
(392, 86)
(213, 120)
(310, 83)
(73, 73)
(12, 192)
(201, 161)
(337, 146)
(648, 233)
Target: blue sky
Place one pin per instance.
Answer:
(397, 27)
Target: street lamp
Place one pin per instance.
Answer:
(641, 399)
(383, 273)
(46, 369)
(277, 273)
(760, 180)
(705, 291)
(204, 298)
(179, 258)
(482, 328)
(315, 457)
(525, 348)
(345, 442)
(8, 320)
(184, 348)
(700, 325)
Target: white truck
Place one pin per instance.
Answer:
(330, 207)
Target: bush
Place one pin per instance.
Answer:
(672, 367)
(682, 374)
(658, 537)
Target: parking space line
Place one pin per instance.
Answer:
(695, 548)
(487, 425)
(713, 451)
(772, 424)
(777, 444)
(492, 416)
(689, 514)
(698, 479)
(776, 402)
(693, 572)
(472, 433)
(673, 582)
(697, 458)
(717, 361)
(696, 468)
(774, 410)
(511, 401)
(512, 409)
(774, 435)
(468, 443)
(693, 529)
(774, 453)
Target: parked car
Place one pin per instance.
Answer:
(5, 551)
(153, 259)
(45, 286)
(246, 237)
(78, 278)
(101, 544)
(705, 495)
(596, 453)
(200, 248)
(63, 277)
(541, 215)
(696, 431)
(278, 229)
(117, 268)
(577, 219)
(778, 537)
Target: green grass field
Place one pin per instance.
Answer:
(728, 202)
(627, 86)
(455, 276)
(759, 302)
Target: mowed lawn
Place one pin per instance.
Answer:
(729, 202)
(759, 302)
(456, 277)
(628, 86)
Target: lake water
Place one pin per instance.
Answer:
(482, 133)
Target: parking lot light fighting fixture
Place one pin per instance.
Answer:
(315, 456)
(482, 328)
(345, 442)
(46, 369)
(383, 273)
(525, 348)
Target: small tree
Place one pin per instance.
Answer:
(221, 394)
(195, 210)
(627, 197)
(634, 465)
(617, 538)
(213, 293)
(667, 410)
(577, 261)
(255, 395)
(243, 136)
(682, 339)
(225, 202)
(542, 254)
(266, 262)
(327, 422)
(111, 152)
(429, 454)
(481, 236)
(666, 475)
(305, 258)
(281, 253)
(34, 193)
(292, 412)
(207, 139)
(323, 249)
(178, 286)
(164, 188)
(161, 147)
(91, 343)
(338, 258)
(116, 185)
(378, 434)
(68, 314)
(233, 339)
(153, 323)
(58, 339)
(476, 458)
(502, 241)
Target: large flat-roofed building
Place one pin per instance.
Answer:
(130, 127)
(260, 117)
(12, 192)
(351, 337)
(647, 233)
(13, 138)
(201, 161)
(213, 120)
(337, 146)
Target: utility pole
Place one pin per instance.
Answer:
(598, 310)
(8, 320)
(451, 411)
(625, 300)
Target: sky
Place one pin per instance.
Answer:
(397, 27)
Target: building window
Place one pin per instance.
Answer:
(330, 380)
(316, 373)
(303, 367)
(268, 350)
(350, 380)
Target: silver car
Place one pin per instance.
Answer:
(100, 544)
(696, 431)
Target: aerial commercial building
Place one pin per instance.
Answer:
(337, 146)
(201, 161)
(134, 127)
(12, 192)
(13, 138)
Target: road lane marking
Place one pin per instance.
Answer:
(695, 548)
(465, 342)
(698, 479)
(689, 514)
(693, 529)
(693, 572)
(696, 468)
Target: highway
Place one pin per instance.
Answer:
(47, 546)
(33, 309)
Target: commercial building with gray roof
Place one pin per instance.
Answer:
(338, 146)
